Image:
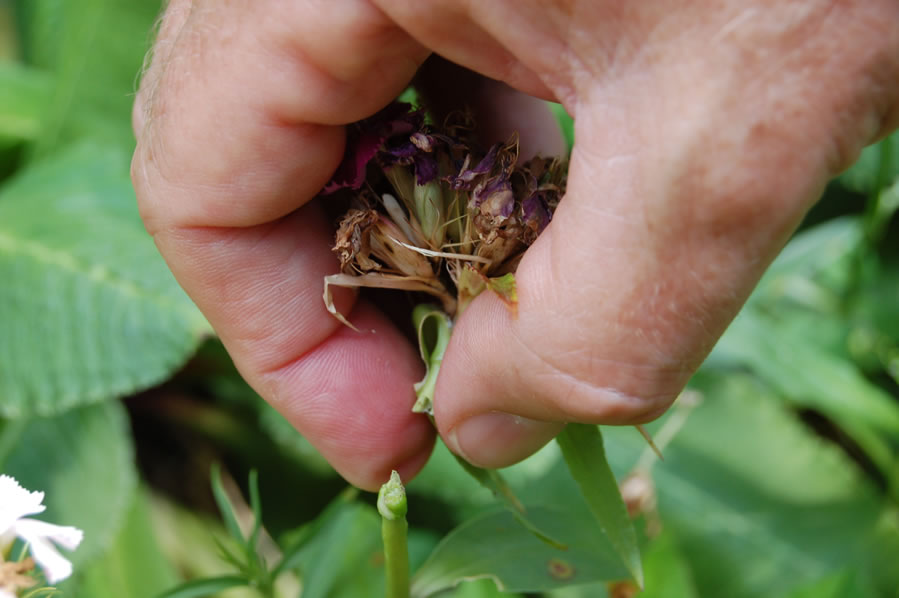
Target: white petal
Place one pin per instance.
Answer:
(16, 502)
(38, 535)
(64, 535)
(6, 594)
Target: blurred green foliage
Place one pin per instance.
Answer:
(781, 474)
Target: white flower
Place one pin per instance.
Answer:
(15, 504)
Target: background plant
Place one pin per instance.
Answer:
(782, 478)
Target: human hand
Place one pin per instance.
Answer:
(704, 133)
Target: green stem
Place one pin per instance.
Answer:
(392, 506)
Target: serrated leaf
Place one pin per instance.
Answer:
(88, 309)
(584, 453)
(83, 462)
(210, 586)
(494, 545)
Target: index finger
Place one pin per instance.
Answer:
(238, 126)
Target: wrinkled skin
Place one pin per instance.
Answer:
(705, 130)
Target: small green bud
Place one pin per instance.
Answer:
(429, 212)
(392, 498)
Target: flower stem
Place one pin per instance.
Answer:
(392, 507)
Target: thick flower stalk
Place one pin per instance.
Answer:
(16, 503)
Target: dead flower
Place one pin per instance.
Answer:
(434, 213)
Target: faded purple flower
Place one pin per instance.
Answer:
(535, 216)
(467, 175)
(366, 138)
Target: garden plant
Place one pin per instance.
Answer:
(136, 462)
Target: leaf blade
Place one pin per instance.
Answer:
(583, 450)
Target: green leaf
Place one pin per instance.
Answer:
(24, 98)
(479, 588)
(806, 374)
(666, 571)
(340, 554)
(878, 164)
(256, 508)
(344, 559)
(133, 566)
(493, 480)
(226, 509)
(585, 455)
(88, 309)
(566, 123)
(8, 37)
(837, 585)
(83, 462)
(192, 541)
(294, 548)
(210, 586)
(815, 267)
(494, 545)
(668, 574)
(759, 504)
(95, 48)
(882, 554)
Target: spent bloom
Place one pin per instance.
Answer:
(432, 211)
(16, 503)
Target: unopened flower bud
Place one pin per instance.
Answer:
(429, 212)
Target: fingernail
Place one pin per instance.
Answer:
(499, 439)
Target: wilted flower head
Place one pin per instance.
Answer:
(16, 503)
(429, 205)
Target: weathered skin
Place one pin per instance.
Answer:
(705, 130)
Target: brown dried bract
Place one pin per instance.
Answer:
(13, 575)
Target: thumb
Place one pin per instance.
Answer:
(689, 173)
(660, 238)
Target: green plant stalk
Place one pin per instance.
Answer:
(392, 506)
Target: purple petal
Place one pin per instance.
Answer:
(426, 168)
(467, 175)
(366, 137)
(484, 190)
(402, 154)
(535, 216)
(423, 142)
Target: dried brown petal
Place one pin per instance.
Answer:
(384, 281)
(386, 241)
(352, 241)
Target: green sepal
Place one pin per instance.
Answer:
(433, 328)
